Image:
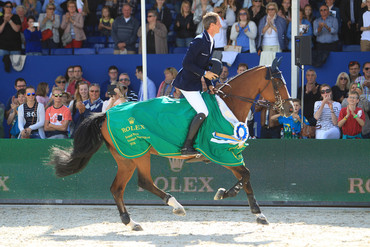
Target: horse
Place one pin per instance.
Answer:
(239, 94)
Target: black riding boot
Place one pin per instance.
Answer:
(195, 124)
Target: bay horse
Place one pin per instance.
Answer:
(239, 94)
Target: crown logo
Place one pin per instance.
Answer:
(131, 120)
(176, 164)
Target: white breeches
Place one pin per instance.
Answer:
(196, 101)
(332, 133)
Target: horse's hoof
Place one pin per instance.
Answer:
(137, 227)
(261, 219)
(179, 211)
(219, 194)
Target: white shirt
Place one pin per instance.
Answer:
(366, 19)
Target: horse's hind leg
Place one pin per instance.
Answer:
(146, 182)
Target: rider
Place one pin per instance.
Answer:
(189, 79)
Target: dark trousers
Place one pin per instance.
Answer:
(270, 133)
(334, 46)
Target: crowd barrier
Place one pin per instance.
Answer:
(283, 172)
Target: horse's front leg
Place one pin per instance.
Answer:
(242, 173)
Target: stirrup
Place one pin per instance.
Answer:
(189, 151)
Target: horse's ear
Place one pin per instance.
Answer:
(276, 63)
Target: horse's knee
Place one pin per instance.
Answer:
(144, 183)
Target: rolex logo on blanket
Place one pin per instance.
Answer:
(163, 123)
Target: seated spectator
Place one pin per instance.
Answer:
(351, 13)
(203, 8)
(257, 11)
(124, 79)
(113, 80)
(19, 84)
(77, 77)
(10, 37)
(340, 90)
(354, 70)
(105, 22)
(305, 28)
(50, 21)
(33, 8)
(156, 35)
(94, 103)
(72, 24)
(241, 68)
(124, 32)
(244, 32)
(220, 38)
(66, 98)
(33, 37)
(352, 118)
(42, 92)
(31, 117)
(365, 28)
(308, 14)
(326, 112)
(151, 89)
(57, 117)
(166, 88)
(61, 83)
(184, 26)
(12, 120)
(326, 31)
(77, 106)
(285, 11)
(21, 12)
(116, 98)
(364, 80)
(163, 13)
(223, 77)
(58, 9)
(270, 128)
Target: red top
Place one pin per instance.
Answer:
(351, 127)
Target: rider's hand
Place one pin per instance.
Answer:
(210, 75)
(211, 89)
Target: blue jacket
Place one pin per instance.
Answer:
(195, 63)
(281, 27)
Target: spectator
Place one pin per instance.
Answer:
(19, 84)
(184, 26)
(270, 128)
(326, 31)
(124, 32)
(365, 28)
(10, 26)
(77, 106)
(113, 80)
(21, 12)
(354, 70)
(31, 117)
(94, 103)
(121, 3)
(308, 14)
(220, 38)
(105, 22)
(350, 12)
(77, 78)
(241, 68)
(327, 113)
(116, 98)
(223, 77)
(163, 13)
(57, 117)
(151, 89)
(335, 12)
(229, 10)
(50, 21)
(244, 32)
(257, 11)
(285, 11)
(33, 7)
(33, 37)
(12, 119)
(58, 9)
(124, 79)
(66, 98)
(69, 75)
(203, 8)
(365, 79)
(156, 36)
(340, 90)
(90, 8)
(61, 83)
(73, 24)
(305, 28)
(166, 88)
(42, 93)
(311, 95)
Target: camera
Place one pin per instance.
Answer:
(35, 24)
(111, 90)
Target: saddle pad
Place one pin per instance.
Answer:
(163, 123)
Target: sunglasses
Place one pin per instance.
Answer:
(257, 1)
(61, 81)
(94, 91)
(343, 78)
(29, 94)
(321, 10)
(326, 91)
(58, 95)
(243, 13)
(366, 69)
(8, 6)
(124, 79)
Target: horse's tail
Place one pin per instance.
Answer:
(87, 141)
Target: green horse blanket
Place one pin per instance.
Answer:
(163, 123)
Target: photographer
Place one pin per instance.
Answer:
(33, 37)
(117, 95)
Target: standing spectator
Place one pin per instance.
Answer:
(58, 9)
(94, 103)
(311, 95)
(365, 28)
(163, 13)
(326, 31)
(21, 12)
(151, 89)
(365, 79)
(124, 32)
(257, 11)
(19, 84)
(66, 98)
(352, 118)
(31, 117)
(335, 12)
(12, 119)
(166, 88)
(270, 128)
(203, 8)
(244, 32)
(10, 26)
(121, 3)
(229, 12)
(354, 70)
(285, 11)
(69, 75)
(156, 36)
(33, 7)
(61, 83)
(308, 14)
(113, 80)
(223, 77)
(327, 113)
(57, 117)
(340, 90)
(32, 35)
(42, 92)
(305, 28)
(50, 21)
(220, 38)
(184, 26)
(105, 22)
(77, 106)
(73, 24)
(77, 78)
(124, 79)
(350, 11)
